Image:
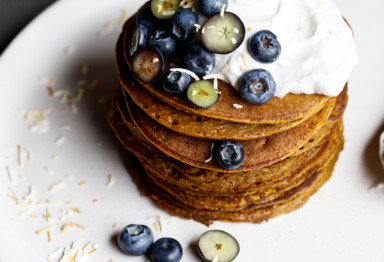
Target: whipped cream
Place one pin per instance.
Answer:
(318, 50)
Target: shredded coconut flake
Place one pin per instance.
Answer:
(168, 13)
(111, 180)
(60, 140)
(215, 76)
(57, 187)
(216, 258)
(237, 106)
(65, 228)
(222, 10)
(11, 175)
(124, 16)
(183, 70)
(48, 170)
(245, 60)
(211, 152)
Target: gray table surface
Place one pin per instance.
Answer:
(15, 14)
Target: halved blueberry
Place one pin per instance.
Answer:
(257, 86)
(163, 41)
(264, 47)
(217, 243)
(211, 7)
(202, 94)
(135, 239)
(164, 9)
(148, 64)
(199, 60)
(223, 35)
(166, 250)
(183, 24)
(176, 82)
(229, 154)
(138, 38)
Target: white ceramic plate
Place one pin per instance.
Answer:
(342, 222)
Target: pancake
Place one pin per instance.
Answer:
(196, 174)
(232, 202)
(200, 126)
(277, 110)
(287, 204)
(240, 180)
(259, 152)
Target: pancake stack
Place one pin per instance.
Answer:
(291, 146)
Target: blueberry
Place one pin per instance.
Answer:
(163, 41)
(138, 38)
(183, 24)
(257, 86)
(148, 64)
(217, 243)
(199, 60)
(147, 19)
(135, 239)
(202, 94)
(165, 9)
(223, 35)
(166, 250)
(211, 7)
(264, 47)
(229, 154)
(176, 82)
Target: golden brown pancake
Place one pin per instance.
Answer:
(200, 126)
(287, 204)
(259, 152)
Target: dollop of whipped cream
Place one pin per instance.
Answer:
(318, 50)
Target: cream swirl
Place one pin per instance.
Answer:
(318, 50)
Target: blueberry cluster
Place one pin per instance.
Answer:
(165, 31)
(258, 86)
(138, 240)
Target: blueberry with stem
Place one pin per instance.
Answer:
(166, 250)
(163, 41)
(199, 60)
(176, 82)
(229, 154)
(135, 239)
(257, 86)
(183, 24)
(264, 47)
